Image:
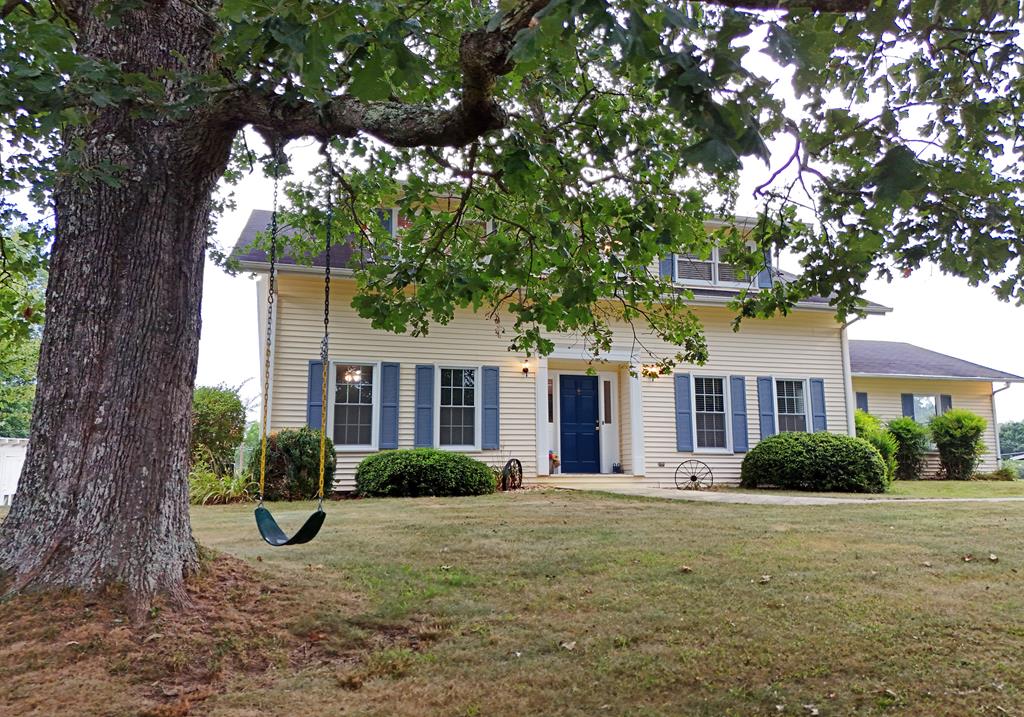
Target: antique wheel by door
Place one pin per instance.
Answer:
(693, 475)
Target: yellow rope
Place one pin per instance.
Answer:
(323, 427)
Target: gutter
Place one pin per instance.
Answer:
(851, 404)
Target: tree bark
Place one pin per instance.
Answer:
(103, 497)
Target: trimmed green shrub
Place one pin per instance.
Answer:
(218, 420)
(293, 464)
(423, 471)
(911, 445)
(1004, 472)
(1016, 466)
(815, 461)
(957, 434)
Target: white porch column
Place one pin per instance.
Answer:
(541, 383)
(636, 426)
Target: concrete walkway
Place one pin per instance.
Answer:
(713, 496)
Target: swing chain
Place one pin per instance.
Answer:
(271, 290)
(325, 342)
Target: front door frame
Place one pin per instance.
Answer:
(608, 439)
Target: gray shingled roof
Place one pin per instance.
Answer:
(341, 255)
(895, 358)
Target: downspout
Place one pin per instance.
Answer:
(995, 422)
(844, 342)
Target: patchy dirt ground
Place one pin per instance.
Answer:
(83, 656)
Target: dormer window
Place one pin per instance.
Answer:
(695, 269)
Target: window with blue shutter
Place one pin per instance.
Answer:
(684, 413)
(314, 393)
(390, 374)
(819, 418)
(423, 412)
(738, 398)
(665, 267)
(491, 438)
(862, 401)
(765, 406)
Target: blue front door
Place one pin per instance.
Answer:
(577, 407)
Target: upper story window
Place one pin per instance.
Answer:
(695, 269)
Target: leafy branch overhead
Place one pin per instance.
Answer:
(546, 153)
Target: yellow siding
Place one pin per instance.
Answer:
(468, 340)
(803, 345)
(885, 402)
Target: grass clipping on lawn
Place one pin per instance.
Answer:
(241, 627)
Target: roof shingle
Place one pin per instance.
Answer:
(896, 358)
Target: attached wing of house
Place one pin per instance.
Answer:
(459, 388)
(892, 379)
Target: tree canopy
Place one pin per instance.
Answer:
(596, 134)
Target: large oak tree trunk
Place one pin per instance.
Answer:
(103, 494)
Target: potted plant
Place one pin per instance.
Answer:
(553, 462)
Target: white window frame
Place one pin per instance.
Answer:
(808, 417)
(726, 390)
(478, 404)
(375, 425)
(715, 260)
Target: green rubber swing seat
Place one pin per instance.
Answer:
(276, 537)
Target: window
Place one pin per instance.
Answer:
(606, 387)
(458, 407)
(709, 412)
(353, 404)
(551, 400)
(692, 268)
(924, 408)
(792, 406)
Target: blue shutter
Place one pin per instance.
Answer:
(819, 420)
(314, 397)
(766, 406)
(385, 219)
(862, 401)
(945, 403)
(684, 414)
(764, 277)
(389, 378)
(908, 404)
(491, 437)
(423, 420)
(665, 266)
(738, 396)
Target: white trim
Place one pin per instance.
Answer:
(726, 412)
(808, 415)
(848, 393)
(636, 424)
(477, 407)
(609, 449)
(332, 381)
(581, 354)
(541, 390)
(987, 379)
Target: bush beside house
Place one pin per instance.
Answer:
(911, 444)
(218, 421)
(423, 471)
(293, 464)
(871, 430)
(815, 461)
(957, 434)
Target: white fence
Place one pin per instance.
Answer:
(12, 457)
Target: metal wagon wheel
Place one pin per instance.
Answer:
(694, 475)
(512, 475)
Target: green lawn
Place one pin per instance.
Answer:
(920, 489)
(560, 603)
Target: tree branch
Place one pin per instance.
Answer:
(483, 57)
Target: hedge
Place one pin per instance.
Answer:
(293, 464)
(957, 434)
(815, 461)
(423, 471)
